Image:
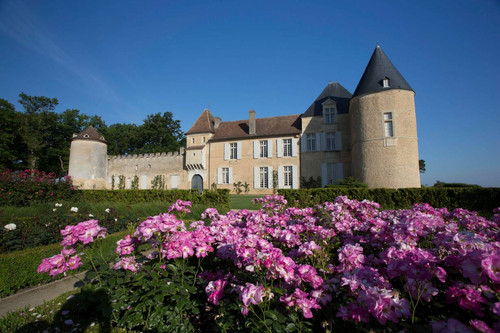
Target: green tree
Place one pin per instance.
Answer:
(122, 138)
(160, 133)
(421, 166)
(36, 126)
(9, 138)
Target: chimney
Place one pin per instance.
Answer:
(251, 122)
(217, 121)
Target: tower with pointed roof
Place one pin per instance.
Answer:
(384, 144)
(88, 159)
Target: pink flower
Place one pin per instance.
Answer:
(491, 265)
(450, 326)
(481, 326)
(215, 289)
(127, 263)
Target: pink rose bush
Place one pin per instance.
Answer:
(343, 265)
(80, 235)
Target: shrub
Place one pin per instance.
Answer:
(349, 182)
(476, 199)
(23, 188)
(218, 197)
(340, 266)
(18, 269)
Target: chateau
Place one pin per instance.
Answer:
(370, 135)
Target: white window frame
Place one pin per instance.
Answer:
(330, 141)
(386, 83)
(310, 141)
(225, 176)
(388, 125)
(233, 150)
(287, 176)
(264, 148)
(287, 147)
(330, 114)
(263, 177)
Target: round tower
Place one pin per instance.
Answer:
(88, 159)
(384, 144)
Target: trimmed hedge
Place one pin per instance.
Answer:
(219, 197)
(19, 269)
(475, 199)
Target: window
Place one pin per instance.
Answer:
(287, 176)
(225, 175)
(388, 130)
(233, 151)
(385, 82)
(192, 140)
(330, 115)
(287, 147)
(263, 148)
(330, 140)
(311, 142)
(203, 139)
(263, 177)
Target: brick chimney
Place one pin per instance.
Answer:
(251, 122)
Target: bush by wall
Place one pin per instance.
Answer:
(477, 199)
(218, 197)
(23, 188)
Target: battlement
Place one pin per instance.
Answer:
(147, 156)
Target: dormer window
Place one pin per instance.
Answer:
(330, 114)
(86, 136)
(385, 82)
(102, 138)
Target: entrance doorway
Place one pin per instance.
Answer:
(197, 183)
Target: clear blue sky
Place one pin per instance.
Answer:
(123, 60)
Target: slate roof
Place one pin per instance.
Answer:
(335, 91)
(379, 67)
(90, 133)
(274, 126)
(204, 124)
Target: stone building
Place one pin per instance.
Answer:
(370, 135)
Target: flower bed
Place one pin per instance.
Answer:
(338, 266)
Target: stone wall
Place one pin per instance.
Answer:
(146, 167)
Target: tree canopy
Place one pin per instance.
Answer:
(38, 137)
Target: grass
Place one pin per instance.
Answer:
(243, 201)
(19, 269)
(77, 310)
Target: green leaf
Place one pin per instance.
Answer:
(290, 327)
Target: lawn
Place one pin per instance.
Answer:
(243, 201)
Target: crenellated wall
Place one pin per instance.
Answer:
(147, 167)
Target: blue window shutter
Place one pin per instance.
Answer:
(230, 175)
(219, 175)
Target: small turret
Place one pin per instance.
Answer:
(384, 144)
(88, 159)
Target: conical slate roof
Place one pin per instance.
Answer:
(90, 133)
(204, 124)
(334, 91)
(380, 67)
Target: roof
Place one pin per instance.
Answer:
(274, 126)
(335, 91)
(379, 67)
(204, 124)
(90, 133)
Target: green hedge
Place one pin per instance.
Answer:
(19, 269)
(475, 199)
(219, 197)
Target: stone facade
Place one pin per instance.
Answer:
(370, 135)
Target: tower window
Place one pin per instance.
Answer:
(385, 82)
(86, 136)
(388, 128)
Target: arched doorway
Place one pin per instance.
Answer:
(197, 183)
